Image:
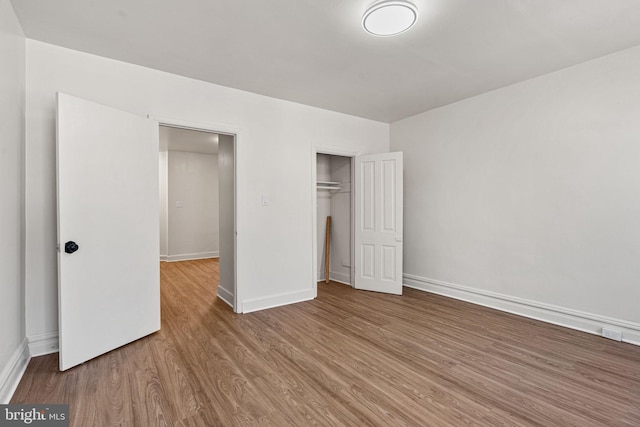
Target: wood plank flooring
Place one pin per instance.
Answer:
(347, 358)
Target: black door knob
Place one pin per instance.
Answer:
(70, 247)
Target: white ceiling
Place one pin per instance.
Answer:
(315, 52)
(192, 141)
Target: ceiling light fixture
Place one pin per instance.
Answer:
(389, 17)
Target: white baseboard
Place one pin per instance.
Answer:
(189, 257)
(225, 296)
(345, 279)
(340, 278)
(343, 283)
(277, 300)
(569, 318)
(163, 258)
(12, 373)
(41, 344)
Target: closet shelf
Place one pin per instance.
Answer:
(328, 185)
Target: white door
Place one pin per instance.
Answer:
(378, 223)
(108, 271)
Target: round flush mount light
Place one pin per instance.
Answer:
(389, 17)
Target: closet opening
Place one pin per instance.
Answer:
(334, 200)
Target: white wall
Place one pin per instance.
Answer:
(531, 193)
(273, 155)
(193, 230)
(13, 350)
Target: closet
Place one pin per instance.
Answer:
(334, 199)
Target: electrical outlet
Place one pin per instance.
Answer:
(611, 334)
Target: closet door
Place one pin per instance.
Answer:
(378, 223)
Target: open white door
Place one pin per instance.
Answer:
(108, 272)
(378, 223)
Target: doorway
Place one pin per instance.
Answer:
(334, 200)
(197, 200)
(108, 226)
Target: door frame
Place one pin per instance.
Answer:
(225, 130)
(332, 151)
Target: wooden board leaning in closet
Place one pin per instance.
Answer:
(327, 261)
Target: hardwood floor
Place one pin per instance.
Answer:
(347, 358)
